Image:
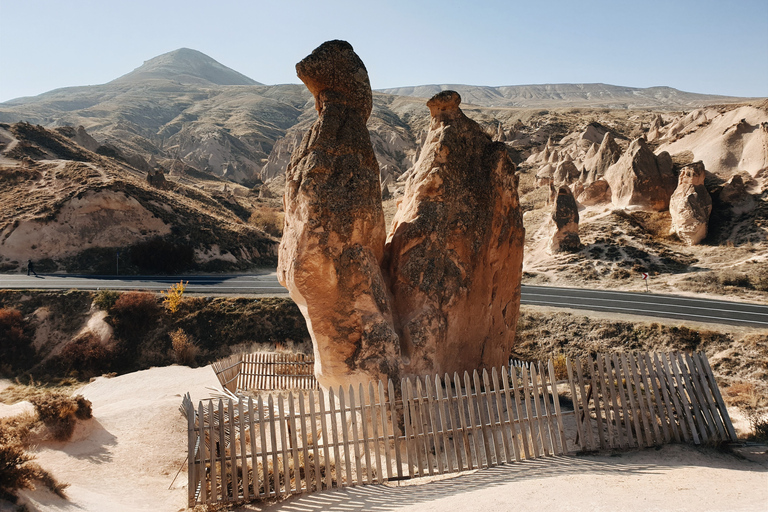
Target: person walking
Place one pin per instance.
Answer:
(31, 268)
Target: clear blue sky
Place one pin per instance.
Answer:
(706, 46)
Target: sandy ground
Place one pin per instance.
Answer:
(126, 459)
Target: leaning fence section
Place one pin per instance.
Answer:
(266, 371)
(244, 448)
(627, 400)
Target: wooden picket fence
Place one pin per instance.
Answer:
(244, 448)
(639, 400)
(266, 371)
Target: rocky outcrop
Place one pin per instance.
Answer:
(597, 192)
(690, 205)
(734, 195)
(280, 156)
(455, 249)
(640, 179)
(334, 234)
(544, 175)
(607, 155)
(565, 173)
(565, 222)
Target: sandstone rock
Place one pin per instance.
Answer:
(544, 175)
(334, 235)
(690, 205)
(84, 139)
(641, 179)
(566, 173)
(734, 195)
(157, 179)
(455, 249)
(654, 132)
(607, 155)
(565, 222)
(500, 135)
(597, 192)
(593, 133)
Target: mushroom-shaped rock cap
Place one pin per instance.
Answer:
(446, 101)
(333, 72)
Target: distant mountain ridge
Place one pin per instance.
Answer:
(567, 95)
(185, 105)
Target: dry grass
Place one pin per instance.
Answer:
(268, 220)
(184, 349)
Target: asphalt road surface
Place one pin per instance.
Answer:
(629, 303)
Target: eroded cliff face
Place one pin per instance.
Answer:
(444, 293)
(334, 234)
(455, 249)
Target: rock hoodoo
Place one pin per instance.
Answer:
(565, 220)
(607, 155)
(334, 234)
(690, 205)
(735, 196)
(641, 179)
(455, 249)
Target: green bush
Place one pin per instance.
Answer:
(105, 299)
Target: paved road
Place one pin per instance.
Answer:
(663, 306)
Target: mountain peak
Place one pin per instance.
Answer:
(186, 66)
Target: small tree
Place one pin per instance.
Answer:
(174, 296)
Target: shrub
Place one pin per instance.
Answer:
(184, 349)
(174, 296)
(105, 299)
(59, 413)
(268, 220)
(16, 347)
(135, 309)
(86, 356)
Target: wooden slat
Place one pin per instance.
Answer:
(460, 404)
(482, 420)
(413, 453)
(556, 400)
(233, 449)
(503, 429)
(622, 382)
(337, 462)
(315, 441)
(490, 419)
(326, 439)
(511, 424)
(264, 459)
(377, 410)
(718, 397)
(366, 447)
(548, 411)
(535, 446)
(690, 391)
(433, 417)
(632, 402)
(191, 455)
(587, 424)
(581, 435)
(449, 461)
(451, 405)
(294, 443)
(640, 400)
(681, 399)
(254, 460)
(243, 455)
(643, 376)
(708, 404)
(653, 377)
(613, 395)
(537, 409)
(355, 436)
(305, 442)
(473, 425)
(222, 443)
(522, 419)
(214, 496)
(284, 443)
(607, 403)
(601, 439)
(666, 392)
(393, 416)
(345, 436)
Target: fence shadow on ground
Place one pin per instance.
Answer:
(390, 497)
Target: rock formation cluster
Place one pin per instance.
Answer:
(443, 295)
(690, 205)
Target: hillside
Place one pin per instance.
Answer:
(69, 208)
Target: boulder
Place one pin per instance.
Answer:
(333, 240)
(565, 222)
(640, 179)
(593, 133)
(597, 192)
(690, 205)
(455, 249)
